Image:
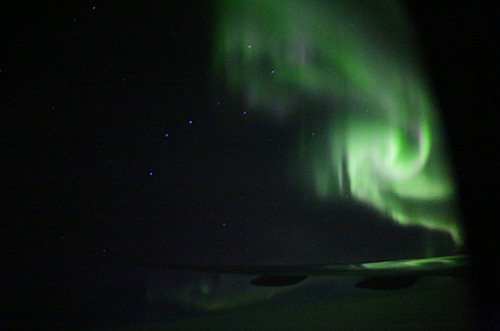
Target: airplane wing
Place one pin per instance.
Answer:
(381, 275)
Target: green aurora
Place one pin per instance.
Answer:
(348, 73)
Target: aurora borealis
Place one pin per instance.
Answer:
(348, 76)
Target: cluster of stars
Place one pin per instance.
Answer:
(250, 46)
(167, 135)
(74, 19)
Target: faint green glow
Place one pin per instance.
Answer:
(427, 266)
(347, 71)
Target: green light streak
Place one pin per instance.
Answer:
(347, 71)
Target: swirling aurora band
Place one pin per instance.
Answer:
(347, 71)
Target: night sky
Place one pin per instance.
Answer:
(116, 144)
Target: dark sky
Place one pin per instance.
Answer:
(458, 39)
(89, 95)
